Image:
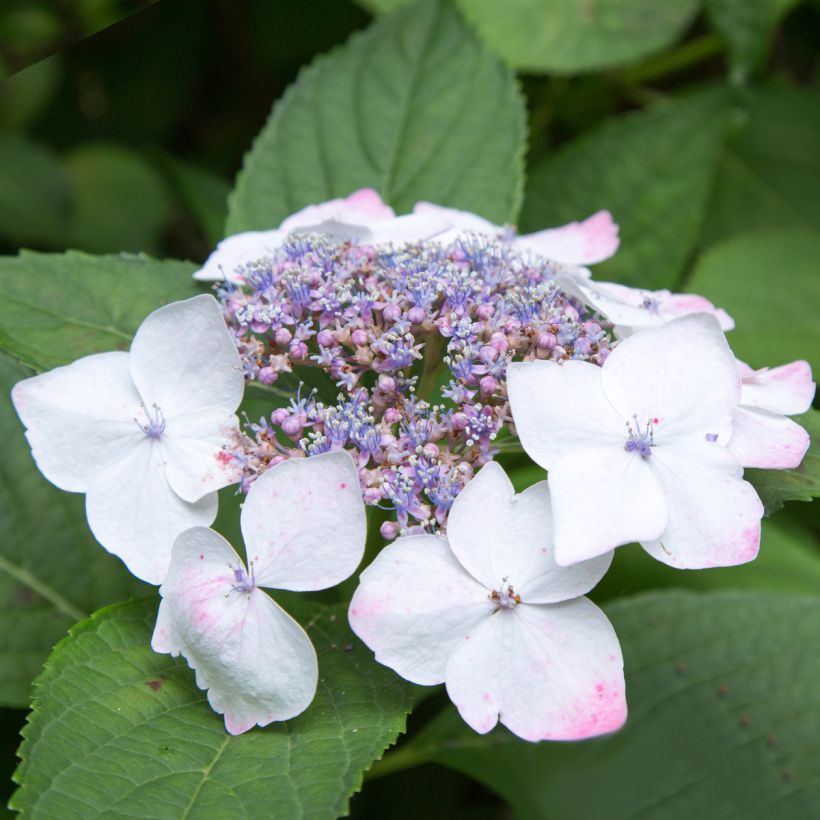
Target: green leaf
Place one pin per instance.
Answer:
(51, 571)
(414, 106)
(803, 484)
(383, 6)
(724, 717)
(117, 729)
(768, 282)
(567, 36)
(35, 196)
(58, 307)
(768, 175)
(652, 170)
(120, 202)
(747, 27)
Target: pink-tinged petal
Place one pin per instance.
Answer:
(304, 523)
(623, 306)
(578, 243)
(256, 662)
(504, 539)
(767, 440)
(681, 376)
(184, 361)
(79, 417)
(235, 252)
(602, 498)
(682, 304)
(788, 389)
(362, 208)
(546, 672)
(714, 515)
(560, 407)
(134, 513)
(414, 605)
(368, 201)
(197, 453)
(459, 222)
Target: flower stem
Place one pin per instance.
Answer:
(396, 761)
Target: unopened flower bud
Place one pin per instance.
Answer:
(387, 383)
(546, 341)
(389, 530)
(325, 338)
(282, 336)
(298, 350)
(484, 312)
(279, 415)
(488, 385)
(416, 315)
(267, 375)
(292, 427)
(499, 342)
(359, 337)
(391, 313)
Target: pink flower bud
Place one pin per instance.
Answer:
(387, 383)
(499, 342)
(431, 452)
(278, 416)
(488, 384)
(546, 341)
(267, 375)
(325, 338)
(488, 354)
(391, 313)
(298, 350)
(389, 530)
(359, 337)
(416, 315)
(484, 312)
(282, 336)
(292, 427)
(392, 415)
(459, 421)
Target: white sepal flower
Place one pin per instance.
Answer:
(578, 243)
(632, 309)
(303, 523)
(142, 434)
(487, 611)
(637, 449)
(762, 434)
(361, 217)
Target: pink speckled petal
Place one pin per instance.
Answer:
(578, 243)
(135, 514)
(184, 361)
(603, 497)
(550, 672)
(714, 515)
(256, 662)
(196, 450)
(681, 374)
(414, 605)
(560, 407)
(767, 440)
(498, 535)
(79, 417)
(304, 523)
(235, 251)
(788, 389)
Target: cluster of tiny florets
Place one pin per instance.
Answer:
(417, 340)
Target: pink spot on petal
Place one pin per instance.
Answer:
(343, 486)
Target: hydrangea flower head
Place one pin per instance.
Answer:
(637, 449)
(143, 434)
(304, 528)
(488, 612)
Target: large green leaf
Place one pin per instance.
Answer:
(747, 27)
(567, 36)
(803, 484)
(52, 573)
(119, 730)
(652, 170)
(769, 283)
(724, 719)
(768, 174)
(58, 307)
(414, 107)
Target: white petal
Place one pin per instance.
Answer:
(414, 605)
(409, 228)
(184, 361)
(79, 417)
(788, 389)
(578, 243)
(237, 251)
(767, 440)
(304, 523)
(559, 407)
(460, 222)
(550, 672)
(255, 660)
(681, 374)
(360, 208)
(714, 515)
(602, 498)
(197, 455)
(504, 540)
(134, 513)
(618, 303)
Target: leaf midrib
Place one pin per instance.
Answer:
(43, 589)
